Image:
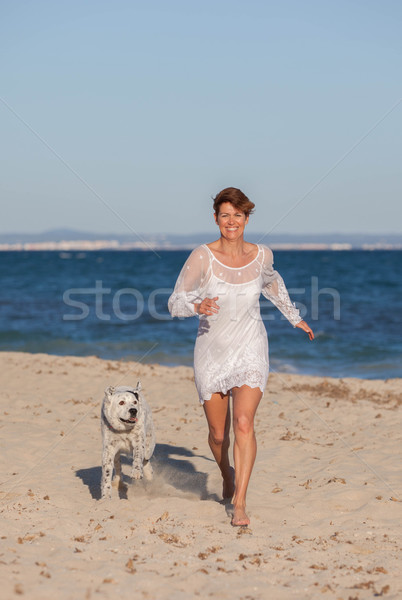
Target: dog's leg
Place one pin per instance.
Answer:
(137, 470)
(149, 447)
(107, 471)
(150, 438)
(118, 481)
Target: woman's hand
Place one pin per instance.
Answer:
(303, 325)
(207, 307)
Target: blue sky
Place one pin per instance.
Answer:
(156, 106)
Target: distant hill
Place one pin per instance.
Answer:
(165, 240)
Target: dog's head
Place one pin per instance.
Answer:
(122, 406)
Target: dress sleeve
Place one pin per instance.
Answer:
(274, 289)
(190, 284)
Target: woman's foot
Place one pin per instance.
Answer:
(240, 518)
(229, 485)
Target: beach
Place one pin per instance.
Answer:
(324, 498)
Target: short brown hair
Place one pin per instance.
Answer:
(235, 197)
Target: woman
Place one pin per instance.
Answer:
(222, 282)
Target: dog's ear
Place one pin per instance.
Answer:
(139, 387)
(109, 391)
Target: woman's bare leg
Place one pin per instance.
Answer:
(217, 411)
(245, 404)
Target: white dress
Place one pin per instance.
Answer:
(232, 346)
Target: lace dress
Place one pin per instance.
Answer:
(231, 348)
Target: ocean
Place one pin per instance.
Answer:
(113, 304)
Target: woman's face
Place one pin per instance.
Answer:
(231, 221)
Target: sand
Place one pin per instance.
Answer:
(324, 498)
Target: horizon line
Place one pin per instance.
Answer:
(189, 233)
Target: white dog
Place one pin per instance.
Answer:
(127, 427)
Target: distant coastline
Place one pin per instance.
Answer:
(69, 240)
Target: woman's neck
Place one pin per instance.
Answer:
(231, 247)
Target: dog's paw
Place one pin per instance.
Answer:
(106, 494)
(137, 474)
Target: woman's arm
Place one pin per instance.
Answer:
(186, 299)
(275, 290)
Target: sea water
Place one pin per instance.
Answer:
(113, 304)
